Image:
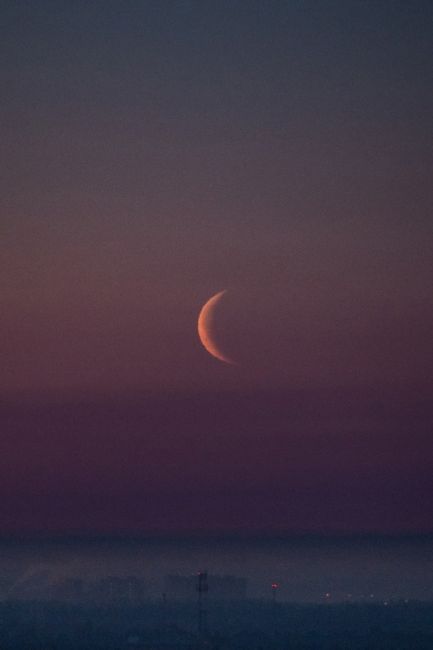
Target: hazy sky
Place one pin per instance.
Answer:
(154, 153)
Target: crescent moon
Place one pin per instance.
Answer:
(205, 328)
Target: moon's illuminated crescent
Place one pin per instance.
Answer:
(205, 328)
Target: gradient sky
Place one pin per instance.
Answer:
(154, 153)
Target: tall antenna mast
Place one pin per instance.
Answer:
(275, 586)
(202, 589)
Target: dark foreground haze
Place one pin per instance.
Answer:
(301, 593)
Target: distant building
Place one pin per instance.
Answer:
(116, 589)
(70, 589)
(225, 587)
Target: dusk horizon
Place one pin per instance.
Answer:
(186, 476)
(216, 290)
